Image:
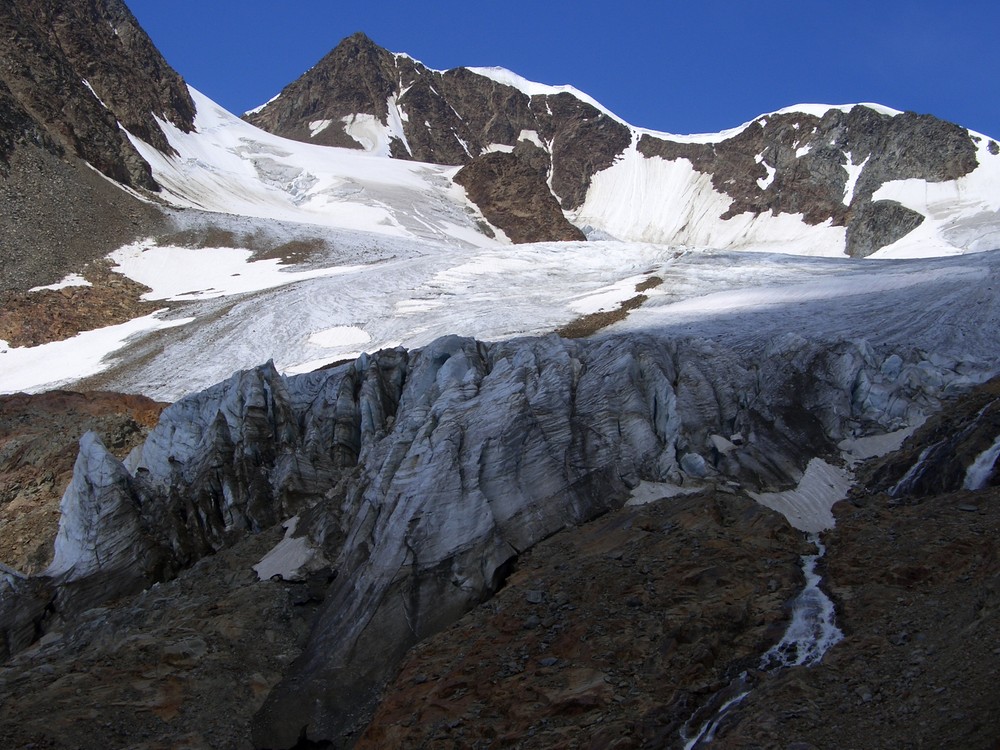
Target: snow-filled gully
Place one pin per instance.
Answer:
(811, 632)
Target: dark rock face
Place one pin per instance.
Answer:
(877, 224)
(512, 194)
(57, 212)
(363, 76)
(806, 157)
(50, 48)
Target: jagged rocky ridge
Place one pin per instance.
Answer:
(418, 478)
(823, 166)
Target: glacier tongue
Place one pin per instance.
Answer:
(419, 477)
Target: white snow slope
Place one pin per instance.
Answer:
(403, 262)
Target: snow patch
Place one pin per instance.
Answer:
(182, 273)
(807, 507)
(853, 173)
(765, 182)
(40, 368)
(318, 126)
(229, 166)
(86, 83)
(532, 137)
(73, 279)
(260, 107)
(654, 200)
(291, 559)
(339, 337)
(530, 88)
(961, 215)
(649, 492)
(607, 298)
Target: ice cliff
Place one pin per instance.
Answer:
(419, 477)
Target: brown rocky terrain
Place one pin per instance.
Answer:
(610, 635)
(183, 665)
(512, 194)
(588, 649)
(38, 317)
(39, 440)
(917, 586)
(916, 583)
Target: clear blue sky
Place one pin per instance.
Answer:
(677, 66)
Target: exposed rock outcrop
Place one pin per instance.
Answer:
(80, 69)
(512, 193)
(362, 96)
(798, 163)
(447, 117)
(39, 442)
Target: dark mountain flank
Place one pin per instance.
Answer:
(809, 157)
(72, 75)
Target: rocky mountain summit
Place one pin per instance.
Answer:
(821, 164)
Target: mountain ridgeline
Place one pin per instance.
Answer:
(824, 165)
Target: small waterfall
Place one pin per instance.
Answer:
(707, 731)
(913, 473)
(810, 634)
(930, 454)
(812, 630)
(981, 470)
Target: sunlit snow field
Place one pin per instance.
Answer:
(403, 260)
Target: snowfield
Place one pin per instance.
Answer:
(399, 258)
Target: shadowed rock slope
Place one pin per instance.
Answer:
(72, 75)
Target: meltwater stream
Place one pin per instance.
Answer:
(978, 475)
(810, 634)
